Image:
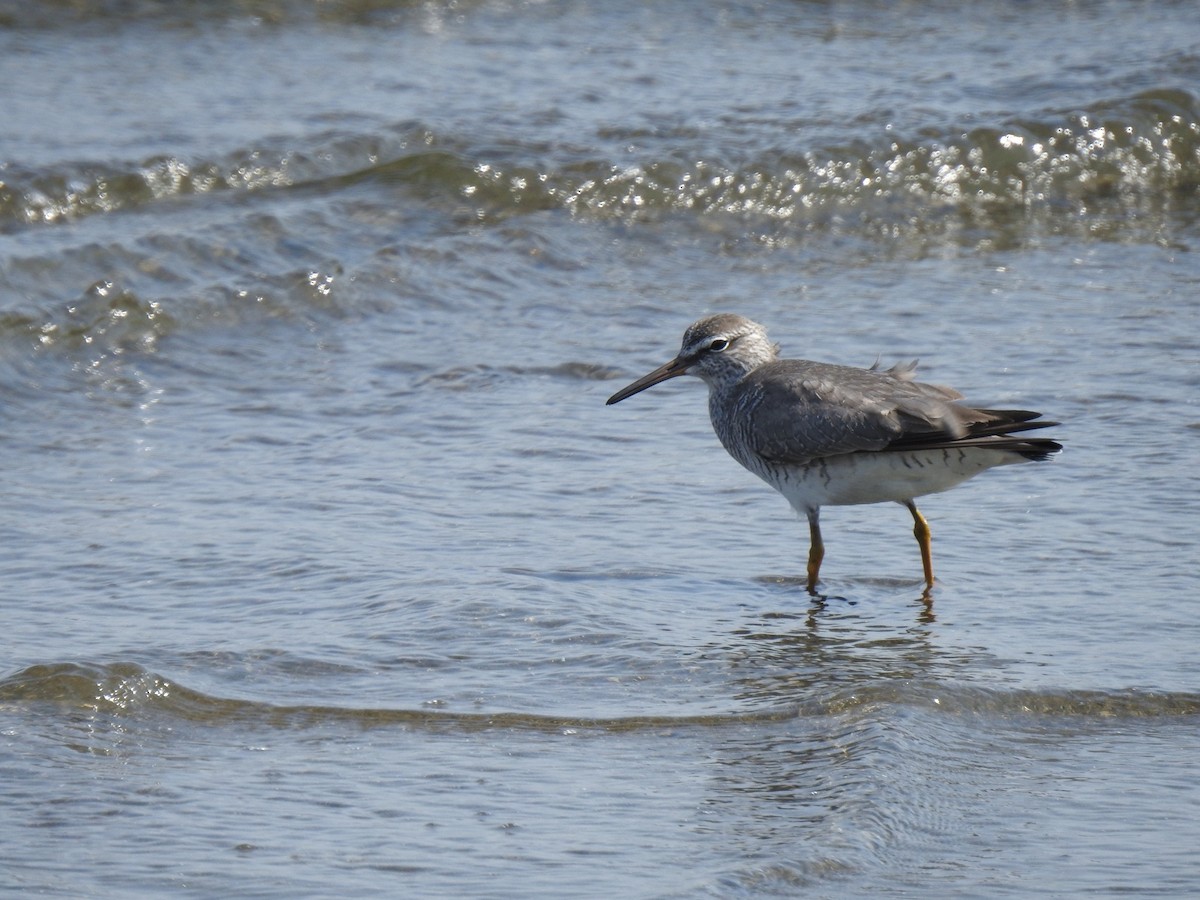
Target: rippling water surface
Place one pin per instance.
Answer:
(327, 571)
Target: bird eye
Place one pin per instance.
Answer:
(718, 345)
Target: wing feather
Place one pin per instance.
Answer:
(797, 411)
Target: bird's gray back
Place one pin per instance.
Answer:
(794, 411)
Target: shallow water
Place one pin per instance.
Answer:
(327, 570)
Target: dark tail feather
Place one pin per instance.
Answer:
(1008, 421)
(1013, 421)
(992, 431)
(1011, 415)
(1001, 428)
(1037, 449)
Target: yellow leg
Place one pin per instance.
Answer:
(922, 533)
(816, 549)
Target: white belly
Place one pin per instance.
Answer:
(856, 478)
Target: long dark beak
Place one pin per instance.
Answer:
(673, 369)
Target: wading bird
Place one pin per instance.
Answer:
(829, 435)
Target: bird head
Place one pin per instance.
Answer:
(720, 349)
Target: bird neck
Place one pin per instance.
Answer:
(722, 379)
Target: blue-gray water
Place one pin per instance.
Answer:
(327, 572)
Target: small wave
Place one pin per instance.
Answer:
(961, 699)
(1137, 154)
(109, 321)
(72, 191)
(127, 689)
(106, 315)
(273, 13)
(1141, 154)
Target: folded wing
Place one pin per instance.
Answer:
(797, 411)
